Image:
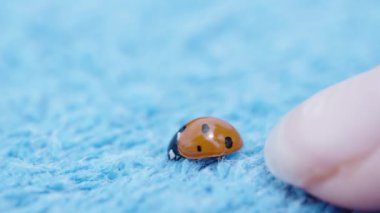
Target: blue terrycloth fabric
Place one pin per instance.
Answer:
(93, 91)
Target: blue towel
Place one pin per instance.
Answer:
(91, 92)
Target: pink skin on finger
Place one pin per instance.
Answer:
(330, 144)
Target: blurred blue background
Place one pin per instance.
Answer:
(92, 92)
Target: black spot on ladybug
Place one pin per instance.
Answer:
(199, 148)
(228, 142)
(182, 129)
(205, 128)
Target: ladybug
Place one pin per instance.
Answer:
(204, 137)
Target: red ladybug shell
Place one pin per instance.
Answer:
(204, 138)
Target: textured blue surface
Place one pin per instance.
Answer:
(92, 92)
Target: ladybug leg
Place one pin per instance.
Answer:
(220, 158)
(207, 162)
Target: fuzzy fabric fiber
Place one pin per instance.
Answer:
(91, 92)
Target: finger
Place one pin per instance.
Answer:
(330, 144)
